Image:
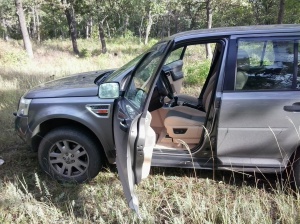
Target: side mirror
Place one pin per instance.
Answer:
(109, 90)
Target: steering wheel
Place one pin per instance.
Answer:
(164, 86)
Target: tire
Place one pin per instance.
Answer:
(69, 155)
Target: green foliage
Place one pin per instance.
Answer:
(130, 17)
(13, 58)
(196, 72)
(128, 34)
(16, 57)
(85, 53)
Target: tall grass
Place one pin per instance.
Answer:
(27, 195)
(164, 197)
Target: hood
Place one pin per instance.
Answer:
(78, 85)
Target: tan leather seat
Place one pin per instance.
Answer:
(241, 79)
(186, 123)
(242, 66)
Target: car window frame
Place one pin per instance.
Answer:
(230, 67)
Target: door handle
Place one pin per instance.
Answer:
(124, 126)
(293, 108)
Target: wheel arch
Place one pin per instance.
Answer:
(53, 123)
(294, 155)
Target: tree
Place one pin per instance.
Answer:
(292, 11)
(281, 11)
(35, 19)
(22, 22)
(101, 14)
(48, 19)
(70, 14)
(209, 24)
(102, 35)
(153, 9)
(264, 11)
(7, 17)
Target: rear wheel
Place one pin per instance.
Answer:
(67, 154)
(296, 170)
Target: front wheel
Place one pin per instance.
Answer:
(67, 154)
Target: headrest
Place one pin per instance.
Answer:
(243, 61)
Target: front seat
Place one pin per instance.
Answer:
(186, 123)
(242, 66)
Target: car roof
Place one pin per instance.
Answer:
(237, 30)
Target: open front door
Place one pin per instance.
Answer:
(134, 138)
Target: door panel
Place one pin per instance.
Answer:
(175, 74)
(259, 122)
(124, 158)
(255, 125)
(134, 138)
(147, 140)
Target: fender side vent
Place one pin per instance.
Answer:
(99, 110)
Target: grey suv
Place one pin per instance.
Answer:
(245, 117)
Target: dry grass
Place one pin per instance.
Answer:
(27, 195)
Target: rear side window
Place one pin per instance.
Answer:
(268, 65)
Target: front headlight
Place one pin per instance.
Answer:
(23, 107)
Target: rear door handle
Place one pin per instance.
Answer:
(293, 108)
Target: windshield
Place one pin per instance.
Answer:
(125, 68)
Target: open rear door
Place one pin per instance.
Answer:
(134, 138)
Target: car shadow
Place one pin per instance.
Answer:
(269, 182)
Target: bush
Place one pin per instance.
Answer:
(85, 53)
(196, 72)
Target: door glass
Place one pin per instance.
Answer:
(266, 65)
(174, 56)
(143, 77)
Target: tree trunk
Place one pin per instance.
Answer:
(102, 37)
(70, 14)
(38, 32)
(176, 17)
(255, 9)
(54, 25)
(126, 24)
(22, 21)
(281, 12)
(148, 28)
(108, 30)
(5, 33)
(87, 30)
(209, 24)
(91, 27)
(141, 29)
(33, 29)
